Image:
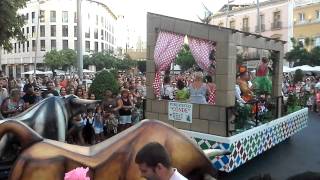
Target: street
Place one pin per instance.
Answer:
(294, 156)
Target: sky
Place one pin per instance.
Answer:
(135, 11)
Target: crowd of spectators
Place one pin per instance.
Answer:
(115, 113)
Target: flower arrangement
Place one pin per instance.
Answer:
(79, 173)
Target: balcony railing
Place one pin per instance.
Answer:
(245, 29)
(276, 25)
(263, 28)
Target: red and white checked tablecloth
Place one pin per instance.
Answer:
(201, 50)
(167, 47)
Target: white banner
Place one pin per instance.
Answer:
(180, 112)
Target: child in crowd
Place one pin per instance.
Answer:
(110, 121)
(74, 135)
(98, 124)
(88, 129)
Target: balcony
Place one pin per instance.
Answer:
(263, 28)
(276, 25)
(245, 29)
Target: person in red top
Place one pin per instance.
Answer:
(262, 83)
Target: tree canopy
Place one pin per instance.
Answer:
(303, 54)
(10, 22)
(63, 58)
(185, 59)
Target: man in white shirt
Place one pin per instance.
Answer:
(155, 164)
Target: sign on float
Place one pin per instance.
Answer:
(180, 112)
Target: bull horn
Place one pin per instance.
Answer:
(25, 134)
(208, 177)
(215, 152)
(84, 101)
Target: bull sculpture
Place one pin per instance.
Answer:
(49, 117)
(112, 159)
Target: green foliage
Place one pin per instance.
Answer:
(10, 22)
(69, 58)
(142, 66)
(102, 82)
(63, 58)
(185, 59)
(300, 54)
(125, 64)
(298, 76)
(53, 59)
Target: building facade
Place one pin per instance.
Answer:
(307, 22)
(52, 25)
(276, 17)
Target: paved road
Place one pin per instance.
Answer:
(297, 155)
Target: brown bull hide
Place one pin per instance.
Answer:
(113, 158)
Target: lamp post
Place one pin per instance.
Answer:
(37, 37)
(79, 41)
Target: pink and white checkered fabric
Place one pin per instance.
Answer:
(201, 50)
(167, 47)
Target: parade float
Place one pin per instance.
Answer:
(217, 126)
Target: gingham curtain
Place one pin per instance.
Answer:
(202, 52)
(167, 47)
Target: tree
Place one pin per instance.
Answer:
(87, 61)
(298, 55)
(298, 76)
(53, 60)
(315, 56)
(185, 59)
(104, 81)
(10, 22)
(142, 66)
(68, 57)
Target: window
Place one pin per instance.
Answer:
(301, 17)
(65, 31)
(27, 30)
(15, 48)
(318, 14)
(19, 46)
(245, 24)
(26, 18)
(53, 16)
(75, 31)
(33, 31)
(33, 45)
(53, 44)
(42, 45)
(102, 22)
(232, 24)
(42, 16)
(22, 30)
(301, 40)
(53, 30)
(75, 45)
(65, 44)
(276, 16)
(75, 19)
(97, 20)
(87, 33)
(96, 33)
(317, 41)
(42, 31)
(28, 45)
(96, 46)
(23, 47)
(64, 16)
(87, 46)
(102, 35)
(102, 46)
(33, 17)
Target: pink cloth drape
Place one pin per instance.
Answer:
(201, 50)
(167, 47)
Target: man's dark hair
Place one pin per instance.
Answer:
(180, 84)
(166, 80)
(153, 153)
(208, 79)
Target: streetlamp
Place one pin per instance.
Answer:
(79, 41)
(37, 37)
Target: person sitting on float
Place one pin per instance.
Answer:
(262, 83)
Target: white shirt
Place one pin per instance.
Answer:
(177, 176)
